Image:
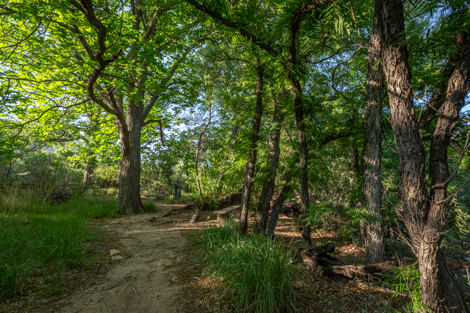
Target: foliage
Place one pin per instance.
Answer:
(347, 221)
(405, 279)
(37, 238)
(256, 275)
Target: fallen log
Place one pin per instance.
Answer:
(318, 257)
(186, 207)
(330, 265)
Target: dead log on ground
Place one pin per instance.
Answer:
(330, 265)
(186, 207)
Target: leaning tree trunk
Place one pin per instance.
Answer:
(277, 207)
(129, 201)
(425, 222)
(250, 167)
(439, 94)
(374, 236)
(457, 91)
(264, 203)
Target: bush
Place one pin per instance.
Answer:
(50, 176)
(256, 274)
(347, 221)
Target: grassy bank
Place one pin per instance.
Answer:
(37, 238)
(255, 275)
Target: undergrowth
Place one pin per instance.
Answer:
(37, 238)
(256, 275)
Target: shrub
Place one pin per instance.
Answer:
(256, 274)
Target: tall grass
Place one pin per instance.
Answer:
(37, 237)
(256, 275)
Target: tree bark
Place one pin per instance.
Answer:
(440, 177)
(250, 167)
(374, 237)
(129, 201)
(299, 119)
(199, 188)
(439, 94)
(424, 221)
(277, 207)
(262, 210)
(89, 171)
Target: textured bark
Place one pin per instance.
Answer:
(129, 201)
(277, 207)
(262, 210)
(374, 234)
(440, 177)
(424, 221)
(299, 119)
(250, 167)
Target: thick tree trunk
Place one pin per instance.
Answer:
(277, 207)
(424, 221)
(374, 236)
(129, 201)
(250, 167)
(262, 210)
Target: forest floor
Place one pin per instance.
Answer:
(145, 263)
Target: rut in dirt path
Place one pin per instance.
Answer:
(144, 281)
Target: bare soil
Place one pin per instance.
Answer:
(157, 270)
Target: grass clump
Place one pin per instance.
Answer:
(256, 275)
(150, 206)
(37, 239)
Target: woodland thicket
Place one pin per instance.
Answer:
(356, 110)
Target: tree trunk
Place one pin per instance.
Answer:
(277, 207)
(199, 188)
(299, 120)
(89, 171)
(374, 236)
(129, 201)
(262, 211)
(424, 221)
(457, 90)
(250, 167)
(439, 94)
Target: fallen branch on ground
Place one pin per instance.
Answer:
(186, 207)
(319, 257)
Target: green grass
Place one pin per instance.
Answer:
(149, 206)
(256, 275)
(36, 239)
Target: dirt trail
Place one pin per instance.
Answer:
(145, 279)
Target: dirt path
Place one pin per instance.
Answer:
(146, 278)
